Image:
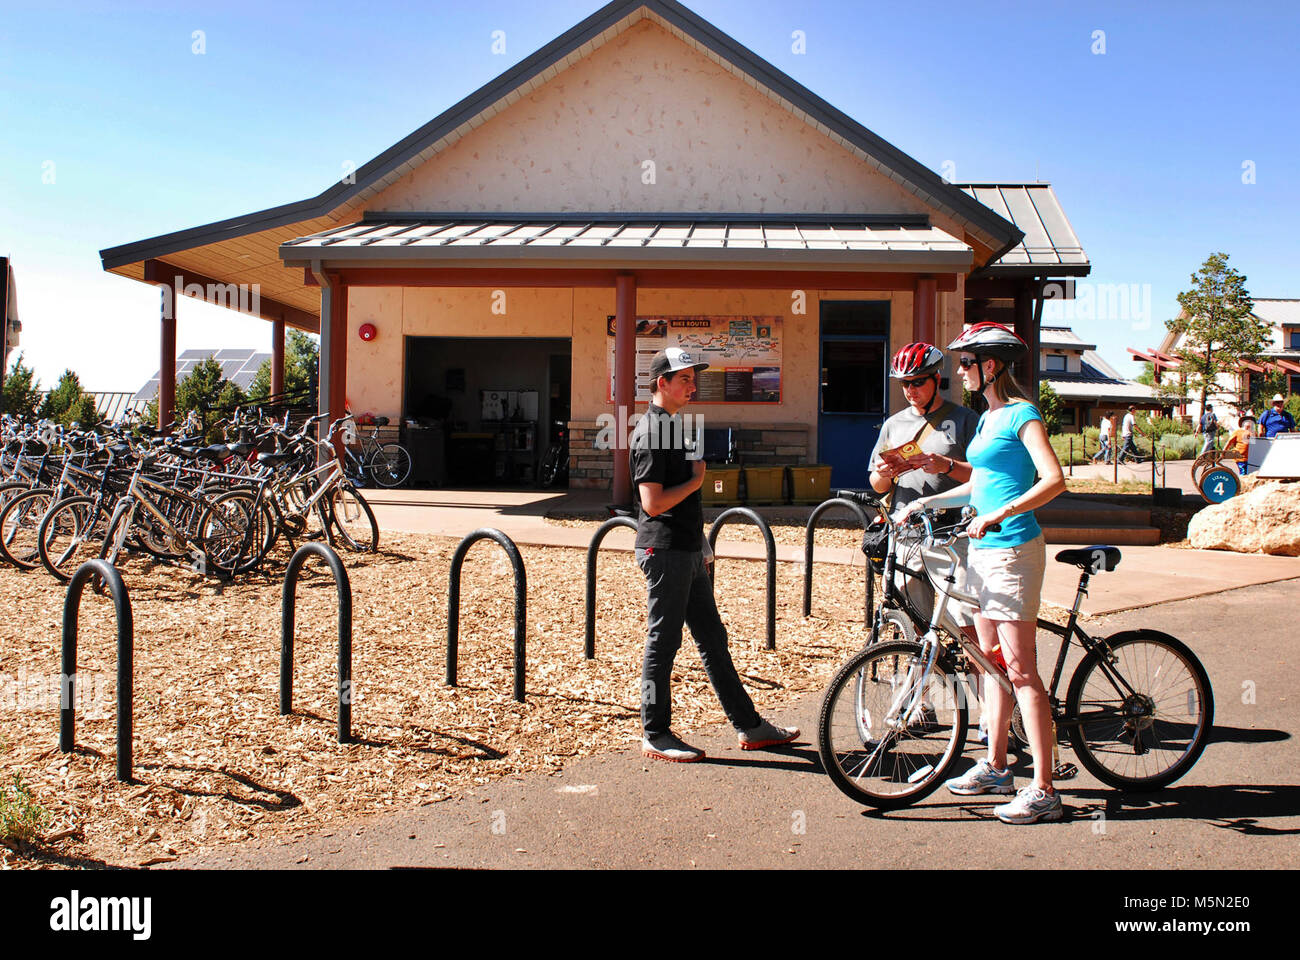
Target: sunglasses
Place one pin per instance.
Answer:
(967, 362)
(915, 383)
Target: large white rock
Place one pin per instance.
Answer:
(1263, 518)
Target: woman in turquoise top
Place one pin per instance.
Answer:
(1006, 565)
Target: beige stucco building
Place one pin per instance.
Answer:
(645, 170)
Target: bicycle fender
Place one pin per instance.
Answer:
(1139, 634)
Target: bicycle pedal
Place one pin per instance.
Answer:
(1065, 771)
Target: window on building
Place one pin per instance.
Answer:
(1055, 363)
(1067, 417)
(1293, 340)
(1295, 383)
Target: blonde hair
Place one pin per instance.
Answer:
(1006, 388)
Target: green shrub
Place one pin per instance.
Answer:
(1161, 426)
(22, 819)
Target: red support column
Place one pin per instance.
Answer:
(624, 381)
(925, 305)
(277, 356)
(339, 359)
(167, 359)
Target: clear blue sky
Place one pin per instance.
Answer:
(1144, 144)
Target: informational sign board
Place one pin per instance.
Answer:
(743, 354)
(1278, 458)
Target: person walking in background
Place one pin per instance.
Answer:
(1276, 420)
(1127, 428)
(1106, 437)
(1209, 425)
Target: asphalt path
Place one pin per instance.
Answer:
(1238, 808)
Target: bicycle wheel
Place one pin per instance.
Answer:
(229, 547)
(550, 471)
(66, 538)
(391, 465)
(870, 753)
(1140, 710)
(20, 521)
(352, 519)
(231, 538)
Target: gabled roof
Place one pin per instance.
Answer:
(343, 201)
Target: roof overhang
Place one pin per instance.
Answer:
(1049, 246)
(609, 242)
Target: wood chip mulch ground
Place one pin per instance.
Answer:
(216, 764)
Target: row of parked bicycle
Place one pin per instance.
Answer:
(68, 495)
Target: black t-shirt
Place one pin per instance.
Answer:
(659, 455)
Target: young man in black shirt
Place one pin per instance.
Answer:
(669, 549)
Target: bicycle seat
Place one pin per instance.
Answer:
(275, 459)
(216, 453)
(1093, 559)
(242, 450)
(381, 421)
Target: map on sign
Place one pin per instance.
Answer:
(743, 354)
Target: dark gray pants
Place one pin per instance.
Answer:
(679, 591)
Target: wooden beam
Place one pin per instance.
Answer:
(277, 357)
(925, 305)
(658, 279)
(167, 362)
(220, 292)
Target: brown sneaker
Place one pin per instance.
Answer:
(666, 746)
(766, 734)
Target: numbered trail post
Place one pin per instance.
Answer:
(737, 513)
(344, 589)
(825, 506)
(125, 661)
(589, 647)
(521, 603)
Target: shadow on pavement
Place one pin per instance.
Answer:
(1239, 807)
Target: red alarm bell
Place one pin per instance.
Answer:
(368, 332)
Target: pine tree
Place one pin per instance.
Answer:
(1219, 331)
(21, 395)
(1049, 405)
(301, 360)
(68, 403)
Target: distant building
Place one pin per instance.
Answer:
(1241, 389)
(1087, 385)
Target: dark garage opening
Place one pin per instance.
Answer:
(482, 411)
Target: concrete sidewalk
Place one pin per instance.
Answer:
(1146, 576)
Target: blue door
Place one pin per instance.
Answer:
(854, 386)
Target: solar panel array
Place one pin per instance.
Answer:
(238, 365)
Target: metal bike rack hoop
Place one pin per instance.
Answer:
(769, 544)
(823, 507)
(589, 646)
(521, 603)
(125, 661)
(287, 609)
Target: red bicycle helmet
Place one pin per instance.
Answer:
(916, 360)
